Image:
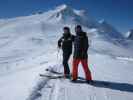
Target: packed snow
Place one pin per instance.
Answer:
(29, 46)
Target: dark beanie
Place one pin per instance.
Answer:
(66, 28)
(79, 26)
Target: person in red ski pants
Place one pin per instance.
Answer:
(80, 54)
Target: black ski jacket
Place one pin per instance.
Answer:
(81, 46)
(65, 42)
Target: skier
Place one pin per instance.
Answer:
(65, 42)
(80, 54)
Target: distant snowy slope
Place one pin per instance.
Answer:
(109, 30)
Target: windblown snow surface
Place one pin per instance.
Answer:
(28, 45)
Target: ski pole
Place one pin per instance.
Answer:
(59, 59)
(58, 50)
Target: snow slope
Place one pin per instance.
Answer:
(29, 46)
(115, 72)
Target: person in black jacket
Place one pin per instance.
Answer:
(81, 46)
(65, 42)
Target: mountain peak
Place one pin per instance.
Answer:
(63, 7)
(103, 22)
(67, 14)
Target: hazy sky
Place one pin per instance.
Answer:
(117, 12)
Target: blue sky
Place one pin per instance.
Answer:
(117, 12)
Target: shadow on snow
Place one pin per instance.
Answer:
(126, 87)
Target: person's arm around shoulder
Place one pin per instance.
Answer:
(60, 42)
(86, 42)
(73, 37)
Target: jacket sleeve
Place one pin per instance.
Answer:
(86, 44)
(73, 37)
(60, 42)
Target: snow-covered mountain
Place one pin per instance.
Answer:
(29, 46)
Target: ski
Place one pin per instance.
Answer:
(52, 76)
(54, 72)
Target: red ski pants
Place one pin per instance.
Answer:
(84, 63)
